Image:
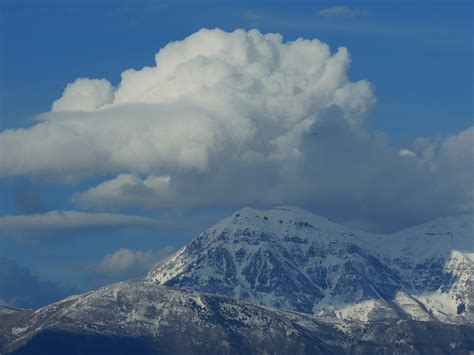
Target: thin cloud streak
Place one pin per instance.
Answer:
(54, 222)
(342, 12)
(426, 35)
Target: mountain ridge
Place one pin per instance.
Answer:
(276, 281)
(254, 253)
(135, 317)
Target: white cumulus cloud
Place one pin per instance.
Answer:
(210, 92)
(241, 118)
(85, 95)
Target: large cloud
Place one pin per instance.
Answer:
(352, 176)
(214, 92)
(241, 118)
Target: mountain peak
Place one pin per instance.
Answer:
(288, 258)
(404, 288)
(274, 221)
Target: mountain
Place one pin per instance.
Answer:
(133, 317)
(138, 318)
(276, 281)
(291, 259)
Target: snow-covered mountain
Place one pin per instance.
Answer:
(276, 281)
(291, 259)
(138, 318)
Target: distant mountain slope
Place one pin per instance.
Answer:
(158, 319)
(291, 259)
(139, 318)
(278, 281)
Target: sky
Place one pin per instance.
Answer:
(128, 128)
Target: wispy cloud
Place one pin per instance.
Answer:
(341, 11)
(126, 261)
(252, 16)
(360, 22)
(426, 35)
(67, 222)
(126, 190)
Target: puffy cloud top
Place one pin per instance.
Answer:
(85, 95)
(259, 76)
(231, 119)
(212, 91)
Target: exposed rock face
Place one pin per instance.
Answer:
(291, 259)
(161, 319)
(134, 317)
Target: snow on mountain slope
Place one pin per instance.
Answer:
(158, 319)
(353, 292)
(436, 259)
(139, 318)
(291, 259)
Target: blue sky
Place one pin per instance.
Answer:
(418, 55)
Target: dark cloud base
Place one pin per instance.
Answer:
(19, 287)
